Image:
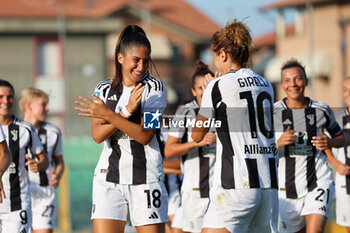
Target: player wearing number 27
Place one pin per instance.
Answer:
(15, 210)
(305, 180)
(244, 193)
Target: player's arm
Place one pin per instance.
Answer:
(99, 110)
(172, 166)
(58, 172)
(339, 167)
(5, 160)
(174, 148)
(323, 142)
(198, 133)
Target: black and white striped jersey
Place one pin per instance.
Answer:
(124, 160)
(343, 155)
(246, 151)
(51, 138)
(2, 134)
(302, 167)
(197, 164)
(20, 135)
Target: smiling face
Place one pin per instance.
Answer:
(135, 63)
(293, 83)
(6, 101)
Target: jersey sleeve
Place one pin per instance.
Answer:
(207, 109)
(101, 89)
(36, 146)
(175, 129)
(333, 127)
(2, 134)
(58, 149)
(156, 100)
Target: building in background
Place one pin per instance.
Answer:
(66, 47)
(319, 37)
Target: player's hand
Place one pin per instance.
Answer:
(135, 98)
(320, 142)
(92, 109)
(342, 169)
(288, 137)
(32, 164)
(2, 191)
(209, 139)
(208, 77)
(55, 180)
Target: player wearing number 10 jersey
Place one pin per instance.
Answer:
(244, 194)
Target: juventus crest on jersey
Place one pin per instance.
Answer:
(246, 150)
(197, 164)
(123, 159)
(51, 139)
(302, 167)
(20, 135)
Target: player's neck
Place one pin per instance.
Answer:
(6, 120)
(37, 124)
(296, 104)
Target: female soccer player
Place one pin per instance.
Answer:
(129, 175)
(244, 194)
(33, 103)
(5, 160)
(15, 210)
(305, 180)
(197, 158)
(342, 163)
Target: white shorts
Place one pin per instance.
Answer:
(342, 206)
(17, 221)
(242, 210)
(178, 219)
(174, 202)
(194, 209)
(44, 207)
(146, 203)
(292, 211)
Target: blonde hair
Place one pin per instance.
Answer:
(235, 40)
(30, 94)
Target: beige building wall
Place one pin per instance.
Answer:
(326, 39)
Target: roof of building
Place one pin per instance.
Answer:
(178, 12)
(289, 3)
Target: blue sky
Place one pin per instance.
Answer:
(223, 10)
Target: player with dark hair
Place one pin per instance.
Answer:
(15, 210)
(129, 175)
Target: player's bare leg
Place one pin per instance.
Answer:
(315, 223)
(153, 228)
(215, 230)
(108, 226)
(42, 231)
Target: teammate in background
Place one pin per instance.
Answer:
(243, 197)
(342, 163)
(15, 210)
(33, 103)
(305, 180)
(129, 175)
(197, 158)
(5, 160)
